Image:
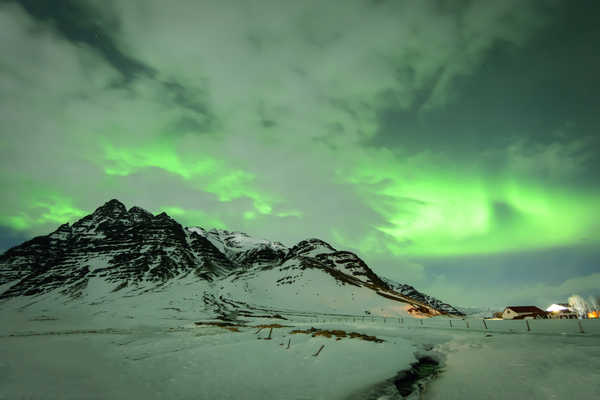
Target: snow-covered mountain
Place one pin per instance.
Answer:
(242, 249)
(119, 253)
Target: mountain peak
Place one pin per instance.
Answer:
(312, 247)
(140, 210)
(164, 216)
(64, 227)
(113, 207)
(138, 214)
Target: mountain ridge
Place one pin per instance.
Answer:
(134, 248)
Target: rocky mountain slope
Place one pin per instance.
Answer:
(131, 252)
(413, 293)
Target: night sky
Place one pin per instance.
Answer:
(454, 145)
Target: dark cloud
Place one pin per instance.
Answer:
(201, 119)
(550, 266)
(79, 22)
(10, 238)
(192, 100)
(532, 274)
(267, 120)
(185, 125)
(83, 23)
(267, 123)
(543, 92)
(505, 214)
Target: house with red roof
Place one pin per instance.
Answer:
(523, 312)
(561, 311)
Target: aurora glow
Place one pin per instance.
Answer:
(193, 217)
(450, 210)
(44, 208)
(448, 144)
(215, 176)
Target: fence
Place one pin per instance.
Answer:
(536, 326)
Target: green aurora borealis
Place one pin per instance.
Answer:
(455, 211)
(441, 141)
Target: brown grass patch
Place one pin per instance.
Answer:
(366, 337)
(251, 314)
(225, 325)
(339, 334)
(272, 326)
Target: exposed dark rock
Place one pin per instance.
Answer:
(350, 263)
(312, 247)
(262, 255)
(129, 247)
(120, 246)
(413, 293)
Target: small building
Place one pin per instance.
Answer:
(561, 311)
(557, 307)
(523, 312)
(497, 315)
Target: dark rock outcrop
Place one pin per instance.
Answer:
(413, 293)
(129, 247)
(123, 247)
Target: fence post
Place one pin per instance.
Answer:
(528, 328)
(450, 323)
(467, 322)
(421, 322)
(580, 327)
(484, 324)
(319, 351)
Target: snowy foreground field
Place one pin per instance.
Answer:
(43, 360)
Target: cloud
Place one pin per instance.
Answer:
(257, 116)
(200, 116)
(83, 24)
(334, 64)
(501, 294)
(563, 158)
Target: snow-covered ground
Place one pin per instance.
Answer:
(179, 360)
(194, 363)
(518, 366)
(143, 344)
